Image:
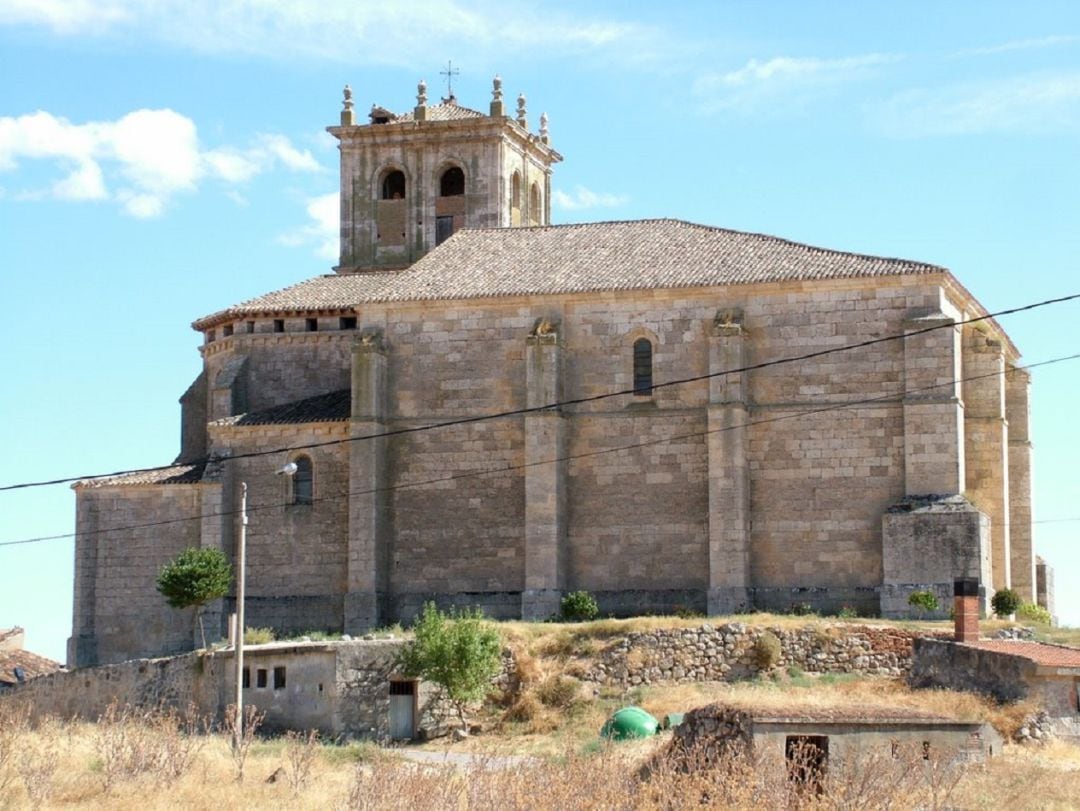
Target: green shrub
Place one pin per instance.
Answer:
(1029, 612)
(802, 609)
(924, 601)
(847, 612)
(258, 636)
(767, 650)
(1005, 602)
(578, 606)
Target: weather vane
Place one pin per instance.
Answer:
(450, 73)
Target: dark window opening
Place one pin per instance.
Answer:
(250, 327)
(643, 385)
(279, 678)
(260, 677)
(896, 750)
(393, 186)
(402, 688)
(347, 322)
(279, 325)
(807, 759)
(452, 182)
(320, 687)
(226, 331)
(312, 324)
(210, 337)
(246, 679)
(926, 750)
(444, 229)
(303, 481)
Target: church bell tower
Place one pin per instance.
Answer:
(410, 180)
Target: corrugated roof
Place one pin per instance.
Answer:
(333, 407)
(175, 474)
(630, 255)
(1038, 652)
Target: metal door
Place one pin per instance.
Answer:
(402, 710)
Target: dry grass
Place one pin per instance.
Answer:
(600, 777)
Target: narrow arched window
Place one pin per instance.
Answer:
(393, 186)
(452, 182)
(643, 384)
(303, 481)
(535, 217)
(515, 199)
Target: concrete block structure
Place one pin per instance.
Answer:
(487, 409)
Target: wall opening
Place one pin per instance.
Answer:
(311, 324)
(515, 199)
(246, 678)
(393, 186)
(643, 376)
(260, 677)
(807, 758)
(303, 481)
(279, 677)
(279, 325)
(452, 182)
(535, 217)
(403, 703)
(347, 322)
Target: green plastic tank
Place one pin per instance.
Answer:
(629, 722)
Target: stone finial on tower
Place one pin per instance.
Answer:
(521, 119)
(347, 119)
(544, 128)
(497, 110)
(420, 112)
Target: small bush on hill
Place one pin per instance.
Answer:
(767, 650)
(578, 606)
(924, 601)
(1005, 602)
(258, 636)
(1030, 612)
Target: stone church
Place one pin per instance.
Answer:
(487, 409)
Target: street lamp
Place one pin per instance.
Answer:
(241, 583)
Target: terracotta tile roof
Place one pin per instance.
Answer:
(1038, 652)
(327, 292)
(635, 255)
(32, 665)
(7, 633)
(175, 474)
(631, 255)
(443, 112)
(333, 407)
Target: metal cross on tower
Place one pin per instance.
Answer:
(450, 73)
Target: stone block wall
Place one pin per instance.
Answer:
(123, 537)
(727, 652)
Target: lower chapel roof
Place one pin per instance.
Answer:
(586, 257)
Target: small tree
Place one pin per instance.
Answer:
(459, 652)
(925, 601)
(1005, 602)
(578, 606)
(193, 578)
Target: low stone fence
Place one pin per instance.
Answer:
(728, 652)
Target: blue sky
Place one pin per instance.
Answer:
(159, 161)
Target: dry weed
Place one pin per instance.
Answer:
(14, 722)
(242, 734)
(300, 752)
(38, 760)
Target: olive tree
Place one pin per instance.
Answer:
(193, 578)
(460, 652)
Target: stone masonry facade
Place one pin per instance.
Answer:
(850, 478)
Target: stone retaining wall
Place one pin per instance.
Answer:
(727, 652)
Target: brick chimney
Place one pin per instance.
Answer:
(966, 610)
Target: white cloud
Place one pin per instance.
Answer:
(1018, 45)
(1042, 102)
(586, 198)
(147, 155)
(322, 231)
(783, 80)
(384, 33)
(65, 16)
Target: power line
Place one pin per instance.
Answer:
(836, 406)
(559, 403)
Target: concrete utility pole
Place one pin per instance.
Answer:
(241, 576)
